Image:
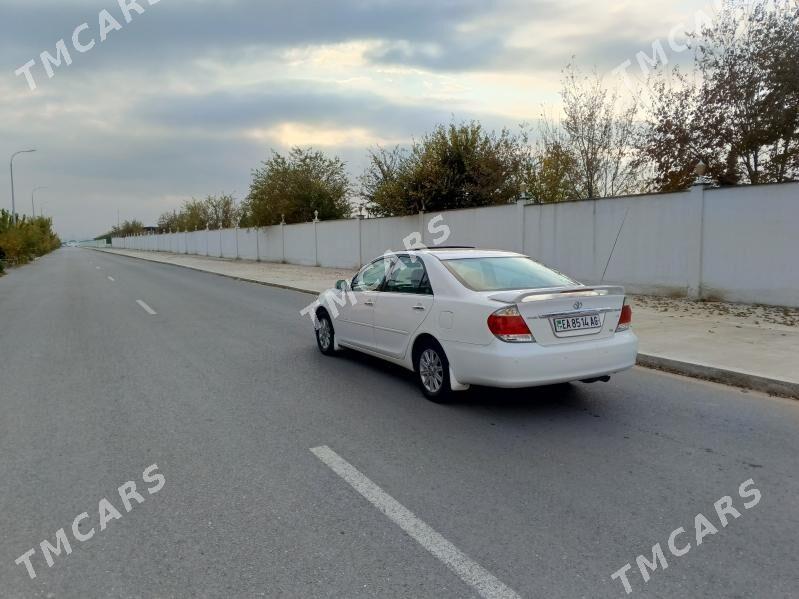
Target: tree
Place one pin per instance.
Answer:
(214, 212)
(385, 180)
(547, 166)
(132, 227)
(595, 139)
(169, 221)
(740, 112)
(223, 213)
(296, 186)
(455, 166)
(193, 216)
(673, 139)
(125, 229)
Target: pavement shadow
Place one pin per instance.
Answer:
(564, 395)
(547, 399)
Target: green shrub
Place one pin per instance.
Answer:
(27, 239)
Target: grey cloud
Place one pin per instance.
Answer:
(172, 29)
(172, 34)
(292, 101)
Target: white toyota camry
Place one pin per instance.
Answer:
(461, 316)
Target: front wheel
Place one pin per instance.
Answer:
(326, 335)
(432, 371)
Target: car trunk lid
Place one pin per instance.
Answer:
(567, 314)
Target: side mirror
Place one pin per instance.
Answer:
(342, 285)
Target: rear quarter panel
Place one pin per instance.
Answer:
(459, 314)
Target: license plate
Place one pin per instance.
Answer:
(587, 323)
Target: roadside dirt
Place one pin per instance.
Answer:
(743, 314)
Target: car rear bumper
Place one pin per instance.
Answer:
(513, 365)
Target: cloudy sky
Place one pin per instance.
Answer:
(191, 95)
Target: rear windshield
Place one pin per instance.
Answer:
(503, 273)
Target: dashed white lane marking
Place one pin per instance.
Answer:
(112, 279)
(472, 573)
(146, 308)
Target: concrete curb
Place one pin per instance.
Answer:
(210, 272)
(715, 374)
(695, 370)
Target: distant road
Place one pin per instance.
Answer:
(110, 364)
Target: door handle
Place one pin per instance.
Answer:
(419, 307)
(368, 303)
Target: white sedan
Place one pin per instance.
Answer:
(460, 316)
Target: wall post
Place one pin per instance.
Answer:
(315, 237)
(360, 240)
(696, 239)
(283, 241)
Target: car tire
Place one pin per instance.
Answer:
(432, 372)
(326, 335)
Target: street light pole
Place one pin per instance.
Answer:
(11, 167)
(33, 191)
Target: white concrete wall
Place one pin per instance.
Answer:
(381, 234)
(300, 244)
(230, 243)
(193, 242)
(750, 245)
(494, 227)
(271, 244)
(738, 244)
(653, 250)
(248, 244)
(338, 244)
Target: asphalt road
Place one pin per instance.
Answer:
(546, 491)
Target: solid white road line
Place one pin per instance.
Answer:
(112, 279)
(146, 308)
(468, 570)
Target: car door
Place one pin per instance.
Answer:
(355, 324)
(402, 306)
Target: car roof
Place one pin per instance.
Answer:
(455, 253)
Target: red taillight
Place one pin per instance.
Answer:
(508, 325)
(626, 318)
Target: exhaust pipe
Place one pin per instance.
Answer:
(599, 379)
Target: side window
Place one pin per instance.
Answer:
(409, 276)
(372, 276)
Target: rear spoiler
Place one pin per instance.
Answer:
(514, 297)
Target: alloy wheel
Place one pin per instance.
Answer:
(431, 370)
(325, 333)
